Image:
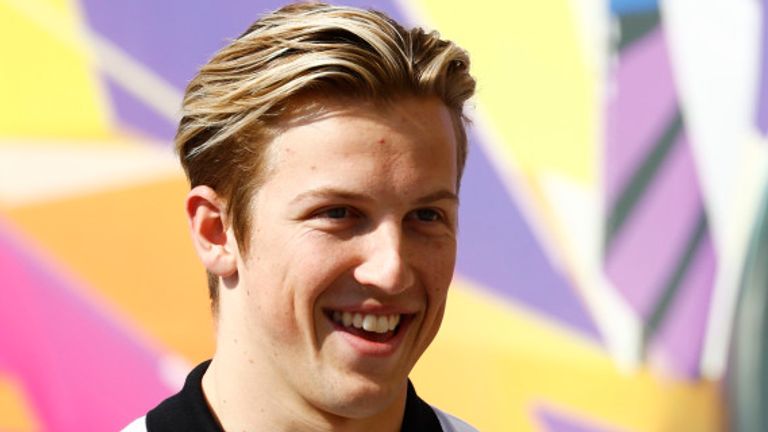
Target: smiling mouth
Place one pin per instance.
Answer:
(378, 328)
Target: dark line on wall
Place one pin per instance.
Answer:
(675, 281)
(636, 26)
(641, 179)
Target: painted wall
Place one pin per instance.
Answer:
(618, 157)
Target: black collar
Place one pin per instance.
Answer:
(188, 410)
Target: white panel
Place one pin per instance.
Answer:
(31, 173)
(715, 46)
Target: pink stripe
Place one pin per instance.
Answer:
(681, 336)
(644, 102)
(80, 369)
(647, 248)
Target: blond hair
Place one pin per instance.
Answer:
(232, 106)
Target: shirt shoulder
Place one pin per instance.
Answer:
(450, 423)
(138, 425)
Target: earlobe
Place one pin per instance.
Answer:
(212, 236)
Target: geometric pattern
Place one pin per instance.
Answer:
(506, 363)
(103, 292)
(74, 333)
(658, 249)
(163, 32)
(499, 251)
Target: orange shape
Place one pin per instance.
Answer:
(16, 413)
(131, 246)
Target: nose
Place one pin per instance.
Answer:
(384, 264)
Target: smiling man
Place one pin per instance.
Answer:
(324, 148)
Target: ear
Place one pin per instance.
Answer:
(213, 239)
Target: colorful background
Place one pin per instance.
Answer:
(612, 273)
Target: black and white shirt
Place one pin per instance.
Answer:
(188, 411)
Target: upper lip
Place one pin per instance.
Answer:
(372, 309)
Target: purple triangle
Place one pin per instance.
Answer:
(174, 38)
(498, 249)
(762, 102)
(553, 421)
(136, 117)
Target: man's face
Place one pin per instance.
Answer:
(352, 249)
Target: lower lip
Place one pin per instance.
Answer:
(374, 348)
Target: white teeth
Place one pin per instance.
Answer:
(393, 321)
(368, 322)
(382, 324)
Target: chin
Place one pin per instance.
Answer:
(363, 398)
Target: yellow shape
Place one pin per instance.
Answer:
(534, 83)
(15, 412)
(47, 86)
(494, 365)
(131, 246)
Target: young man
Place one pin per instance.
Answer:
(324, 148)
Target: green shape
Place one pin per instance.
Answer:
(636, 26)
(747, 383)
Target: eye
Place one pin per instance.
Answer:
(427, 215)
(336, 213)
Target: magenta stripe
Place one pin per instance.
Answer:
(80, 369)
(681, 337)
(638, 112)
(647, 249)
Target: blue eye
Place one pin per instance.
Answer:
(427, 215)
(336, 213)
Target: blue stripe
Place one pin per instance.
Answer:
(625, 7)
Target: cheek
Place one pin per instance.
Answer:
(285, 287)
(269, 298)
(439, 270)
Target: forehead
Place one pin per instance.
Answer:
(313, 107)
(312, 127)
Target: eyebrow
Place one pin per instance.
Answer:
(330, 192)
(443, 194)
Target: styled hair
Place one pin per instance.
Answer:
(233, 106)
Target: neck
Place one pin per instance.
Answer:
(244, 394)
